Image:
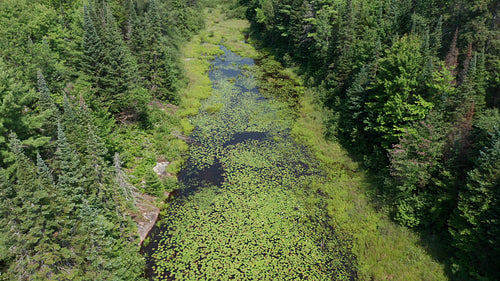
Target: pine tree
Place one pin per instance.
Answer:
(93, 49)
(356, 97)
(70, 178)
(475, 227)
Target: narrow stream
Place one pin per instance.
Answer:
(244, 210)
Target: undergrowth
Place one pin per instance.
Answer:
(384, 250)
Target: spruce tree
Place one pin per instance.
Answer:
(436, 38)
(31, 218)
(356, 96)
(70, 178)
(93, 49)
(45, 101)
(160, 69)
(96, 170)
(475, 226)
(119, 68)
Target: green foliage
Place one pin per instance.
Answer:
(71, 178)
(475, 225)
(93, 52)
(64, 218)
(174, 167)
(278, 82)
(214, 108)
(153, 183)
(280, 235)
(14, 96)
(68, 234)
(356, 96)
(383, 68)
(393, 103)
(421, 193)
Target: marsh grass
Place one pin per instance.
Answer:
(384, 250)
(253, 225)
(279, 214)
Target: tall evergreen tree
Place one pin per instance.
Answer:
(31, 219)
(48, 111)
(159, 67)
(93, 49)
(475, 226)
(70, 178)
(356, 96)
(17, 114)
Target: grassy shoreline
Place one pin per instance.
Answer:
(384, 250)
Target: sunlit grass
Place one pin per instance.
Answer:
(253, 226)
(385, 251)
(204, 47)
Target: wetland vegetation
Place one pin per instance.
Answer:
(263, 194)
(293, 140)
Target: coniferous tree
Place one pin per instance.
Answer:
(96, 170)
(436, 38)
(30, 221)
(475, 226)
(43, 171)
(48, 111)
(109, 62)
(160, 67)
(45, 101)
(356, 96)
(422, 198)
(93, 49)
(70, 178)
(136, 31)
(17, 113)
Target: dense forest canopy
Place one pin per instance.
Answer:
(414, 89)
(71, 71)
(411, 87)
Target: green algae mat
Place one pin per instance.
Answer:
(244, 211)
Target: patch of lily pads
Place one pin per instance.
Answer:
(258, 220)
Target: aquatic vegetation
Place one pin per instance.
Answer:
(245, 210)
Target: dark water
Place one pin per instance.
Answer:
(239, 125)
(192, 178)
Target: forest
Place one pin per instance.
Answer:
(391, 108)
(414, 90)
